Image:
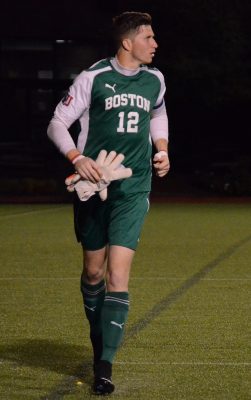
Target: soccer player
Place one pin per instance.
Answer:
(119, 102)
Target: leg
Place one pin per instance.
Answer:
(94, 266)
(116, 302)
(126, 219)
(119, 266)
(93, 291)
(114, 314)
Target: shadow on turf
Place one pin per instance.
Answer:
(63, 358)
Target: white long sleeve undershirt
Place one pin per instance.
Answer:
(60, 136)
(159, 124)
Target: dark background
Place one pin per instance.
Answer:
(204, 53)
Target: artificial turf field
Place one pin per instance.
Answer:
(188, 334)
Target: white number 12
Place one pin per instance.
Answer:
(131, 124)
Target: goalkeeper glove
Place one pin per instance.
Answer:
(112, 169)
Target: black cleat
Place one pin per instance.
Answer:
(103, 386)
(103, 378)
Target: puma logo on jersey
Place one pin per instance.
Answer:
(90, 308)
(111, 87)
(117, 324)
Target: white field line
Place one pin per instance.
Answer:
(182, 279)
(189, 363)
(21, 278)
(55, 278)
(21, 214)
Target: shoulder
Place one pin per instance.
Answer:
(154, 72)
(101, 64)
(95, 69)
(158, 78)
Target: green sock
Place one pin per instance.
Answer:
(93, 299)
(114, 315)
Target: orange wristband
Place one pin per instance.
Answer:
(76, 158)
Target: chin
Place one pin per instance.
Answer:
(147, 61)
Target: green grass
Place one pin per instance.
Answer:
(188, 333)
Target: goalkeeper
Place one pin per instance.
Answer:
(119, 102)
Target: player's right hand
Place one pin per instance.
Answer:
(110, 166)
(88, 169)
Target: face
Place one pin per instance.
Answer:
(143, 45)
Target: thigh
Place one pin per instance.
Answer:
(127, 216)
(90, 223)
(118, 268)
(94, 265)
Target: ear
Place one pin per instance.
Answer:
(127, 44)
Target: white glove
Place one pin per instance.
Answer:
(85, 189)
(112, 170)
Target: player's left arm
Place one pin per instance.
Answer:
(159, 136)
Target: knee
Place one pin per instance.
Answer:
(117, 282)
(94, 266)
(93, 271)
(93, 275)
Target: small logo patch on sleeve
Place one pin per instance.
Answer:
(67, 99)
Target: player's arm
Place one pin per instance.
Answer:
(66, 112)
(159, 135)
(86, 167)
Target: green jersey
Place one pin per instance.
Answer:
(114, 111)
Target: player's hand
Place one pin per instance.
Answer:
(88, 169)
(161, 163)
(111, 169)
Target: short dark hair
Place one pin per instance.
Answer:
(128, 21)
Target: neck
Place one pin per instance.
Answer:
(125, 60)
(122, 70)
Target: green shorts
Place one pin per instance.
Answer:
(111, 222)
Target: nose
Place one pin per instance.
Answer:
(155, 44)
